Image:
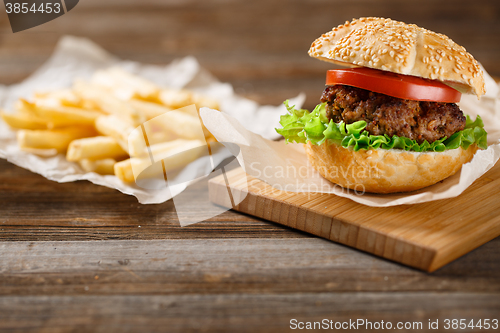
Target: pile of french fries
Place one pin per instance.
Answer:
(97, 123)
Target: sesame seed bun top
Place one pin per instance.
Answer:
(400, 48)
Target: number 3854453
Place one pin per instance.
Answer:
(24, 8)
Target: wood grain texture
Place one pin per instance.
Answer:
(224, 266)
(426, 236)
(216, 313)
(258, 46)
(36, 209)
(228, 285)
(234, 272)
(88, 267)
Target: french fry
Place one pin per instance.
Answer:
(139, 140)
(95, 148)
(124, 85)
(178, 98)
(115, 127)
(175, 98)
(25, 108)
(149, 109)
(56, 116)
(184, 126)
(204, 101)
(58, 139)
(61, 97)
(138, 143)
(123, 170)
(22, 121)
(182, 123)
(62, 116)
(172, 148)
(173, 154)
(159, 129)
(102, 167)
(108, 103)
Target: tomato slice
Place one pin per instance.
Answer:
(395, 85)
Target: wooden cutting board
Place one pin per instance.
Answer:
(426, 236)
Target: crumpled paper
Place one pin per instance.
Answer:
(80, 58)
(285, 166)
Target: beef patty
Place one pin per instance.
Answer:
(417, 120)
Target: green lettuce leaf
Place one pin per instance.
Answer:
(302, 126)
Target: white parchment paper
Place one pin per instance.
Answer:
(80, 58)
(285, 166)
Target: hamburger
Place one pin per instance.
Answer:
(389, 121)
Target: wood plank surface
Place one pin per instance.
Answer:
(36, 209)
(224, 266)
(216, 313)
(78, 257)
(269, 313)
(228, 285)
(258, 46)
(76, 251)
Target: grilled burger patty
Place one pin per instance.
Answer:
(417, 120)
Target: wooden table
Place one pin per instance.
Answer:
(80, 257)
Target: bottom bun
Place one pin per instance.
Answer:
(385, 170)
